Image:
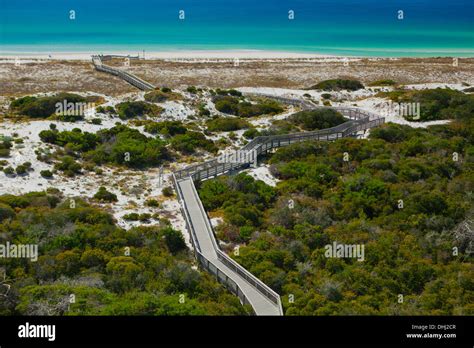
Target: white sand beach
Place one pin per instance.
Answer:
(185, 55)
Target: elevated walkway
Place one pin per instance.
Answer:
(237, 279)
(130, 78)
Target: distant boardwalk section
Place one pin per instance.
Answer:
(130, 78)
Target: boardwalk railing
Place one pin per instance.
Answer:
(208, 265)
(225, 259)
(359, 120)
(112, 56)
(130, 78)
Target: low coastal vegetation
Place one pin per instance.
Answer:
(404, 194)
(435, 104)
(109, 270)
(133, 109)
(317, 119)
(5, 146)
(162, 95)
(304, 120)
(105, 196)
(72, 105)
(166, 128)
(338, 85)
(191, 141)
(238, 106)
(118, 145)
(227, 124)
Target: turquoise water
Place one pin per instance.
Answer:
(343, 27)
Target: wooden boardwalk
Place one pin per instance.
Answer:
(130, 78)
(237, 279)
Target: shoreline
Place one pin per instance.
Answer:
(200, 55)
(187, 54)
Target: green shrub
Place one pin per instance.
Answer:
(46, 174)
(338, 85)
(6, 212)
(132, 109)
(317, 119)
(105, 196)
(234, 106)
(43, 107)
(69, 166)
(9, 171)
(167, 128)
(5, 146)
(21, 169)
(167, 191)
(144, 217)
(191, 141)
(251, 133)
(152, 203)
(131, 217)
(192, 89)
(174, 240)
(226, 124)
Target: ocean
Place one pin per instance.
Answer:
(339, 27)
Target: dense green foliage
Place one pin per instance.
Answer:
(436, 104)
(46, 174)
(42, 107)
(317, 119)
(227, 124)
(235, 106)
(118, 145)
(338, 85)
(189, 142)
(167, 128)
(132, 109)
(402, 195)
(242, 200)
(110, 271)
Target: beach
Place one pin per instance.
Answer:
(218, 69)
(177, 54)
